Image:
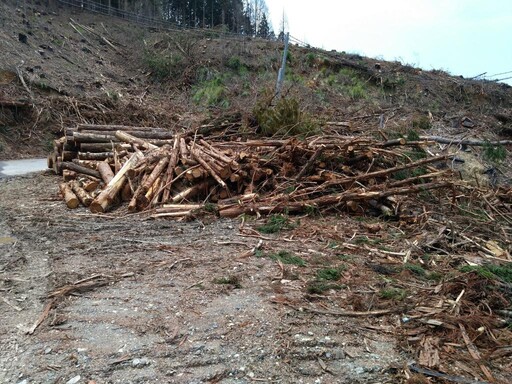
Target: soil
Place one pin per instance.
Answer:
(157, 313)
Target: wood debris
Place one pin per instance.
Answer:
(178, 175)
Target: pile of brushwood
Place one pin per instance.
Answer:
(180, 175)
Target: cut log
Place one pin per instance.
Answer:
(69, 197)
(173, 161)
(103, 147)
(108, 127)
(91, 164)
(82, 195)
(80, 169)
(140, 198)
(207, 166)
(105, 171)
(90, 185)
(147, 134)
(96, 155)
(127, 138)
(105, 199)
(190, 192)
(49, 161)
(79, 137)
(68, 175)
(195, 173)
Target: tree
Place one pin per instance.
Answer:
(263, 28)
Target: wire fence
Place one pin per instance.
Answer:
(157, 23)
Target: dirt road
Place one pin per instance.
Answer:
(153, 304)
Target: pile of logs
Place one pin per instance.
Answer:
(97, 142)
(171, 175)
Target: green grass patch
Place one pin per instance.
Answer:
(330, 273)
(276, 223)
(163, 66)
(396, 294)
(416, 269)
(310, 59)
(286, 257)
(491, 272)
(494, 153)
(343, 257)
(318, 287)
(211, 93)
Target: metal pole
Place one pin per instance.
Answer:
(280, 75)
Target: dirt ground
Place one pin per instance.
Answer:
(154, 313)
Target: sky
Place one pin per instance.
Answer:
(462, 37)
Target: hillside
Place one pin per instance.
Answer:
(118, 72)
(337, 262)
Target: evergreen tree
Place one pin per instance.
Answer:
(264, 28)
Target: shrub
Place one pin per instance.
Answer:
(310, 59)
(234, 63)
(163, 66)
(284, 119)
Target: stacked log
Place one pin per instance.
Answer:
(180, 176)
(99, 142)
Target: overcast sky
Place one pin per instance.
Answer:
(463, 37)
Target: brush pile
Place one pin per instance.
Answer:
(171, 175)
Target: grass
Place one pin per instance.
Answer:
(276, 223)
(396, 294)
(491, 272)
(422, 122)
(310, 59)
(286, 257)
(319, 287)
(163, 66)
(494, 153)
(330, 273)
(231, 280)
(416, 269)
(211, 93)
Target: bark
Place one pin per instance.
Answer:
(130, 139)
(80, 169)
(97, 155)
(448, 140)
